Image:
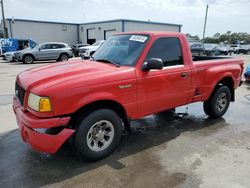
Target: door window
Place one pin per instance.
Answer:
(168, 49)
(45, 47)
(55, 46)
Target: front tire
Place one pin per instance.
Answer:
(218, 103)
(28, 59)
(98, 135)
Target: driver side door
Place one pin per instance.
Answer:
(44, 52)
(169, 87)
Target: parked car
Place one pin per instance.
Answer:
(9, 56)
(244, 49)
(87, 51)
(197, 48)
(211, 49)
(234, 48)
(247, 74)
(224, 50)
(75, 48)
(128, 78)
(45, 51)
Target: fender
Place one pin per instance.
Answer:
(102, 96)
(214, 75)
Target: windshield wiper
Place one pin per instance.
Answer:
(107, 61)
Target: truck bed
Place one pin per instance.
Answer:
(202, 58)
(210, 70)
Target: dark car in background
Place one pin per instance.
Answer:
(211, 49)
(197, 48)
(76, 47)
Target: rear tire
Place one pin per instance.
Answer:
(28, 59)
(98, 134)
(218, 103)
(63, 57)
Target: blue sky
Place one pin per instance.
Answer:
(223, 15)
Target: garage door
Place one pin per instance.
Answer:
(91, 33)
(108, 33)
(91, 36)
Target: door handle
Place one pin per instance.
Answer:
(184, 75)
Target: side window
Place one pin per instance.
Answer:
(55, 46)
(45, 46)
(168, 49)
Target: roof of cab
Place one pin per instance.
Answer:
(151, 33)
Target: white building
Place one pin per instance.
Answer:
(72, 33)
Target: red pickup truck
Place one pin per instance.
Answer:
(130, 76)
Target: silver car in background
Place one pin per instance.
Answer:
(45, 51)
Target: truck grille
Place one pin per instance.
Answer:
(20, 92)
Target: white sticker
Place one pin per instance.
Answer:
(138, 38)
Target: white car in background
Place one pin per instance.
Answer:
(9, 56)
(87, 51)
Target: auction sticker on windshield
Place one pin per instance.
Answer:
(138, 38)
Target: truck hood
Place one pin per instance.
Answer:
(73, 74)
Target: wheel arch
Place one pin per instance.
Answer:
(63, 53)
(99, 104)
(29, 54)
(226, 81)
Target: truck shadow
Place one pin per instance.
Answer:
(32, 169)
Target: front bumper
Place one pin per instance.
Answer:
(84, 53)
(41, 141)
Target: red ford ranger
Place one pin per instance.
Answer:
(130, 76)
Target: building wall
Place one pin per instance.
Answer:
(44, 32)
(99, 29)
(136, 26)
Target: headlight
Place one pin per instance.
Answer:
(40, 104)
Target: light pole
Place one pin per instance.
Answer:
(5, 34)
(205, 24)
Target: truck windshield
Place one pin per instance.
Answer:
(121, 49)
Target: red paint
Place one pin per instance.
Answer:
(40, 141)
(72, 85)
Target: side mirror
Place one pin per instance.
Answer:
(152, 63)
(39, 49)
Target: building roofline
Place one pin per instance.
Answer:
(97, 22)
(41, 21)
(128, 20)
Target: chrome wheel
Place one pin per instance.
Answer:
(28, 59)
(221, 102)
(100, 135)
(64, 57)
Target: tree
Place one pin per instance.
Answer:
(216, 35)
(195, 37)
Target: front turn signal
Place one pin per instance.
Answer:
(44, 105)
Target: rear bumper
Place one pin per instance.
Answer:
(41, 141)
